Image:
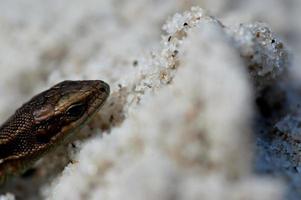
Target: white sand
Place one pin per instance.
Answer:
(178, 122)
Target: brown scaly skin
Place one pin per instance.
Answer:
(46, 121)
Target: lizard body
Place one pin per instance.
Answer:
(45, 121)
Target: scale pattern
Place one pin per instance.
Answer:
(46, 121)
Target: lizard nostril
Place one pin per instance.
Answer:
(105, 88)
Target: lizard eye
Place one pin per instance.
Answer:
(75, 111)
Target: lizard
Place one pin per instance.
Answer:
(46, 121)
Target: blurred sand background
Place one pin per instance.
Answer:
(123, 43)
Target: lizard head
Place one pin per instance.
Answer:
(47, 120)
(65, 107)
